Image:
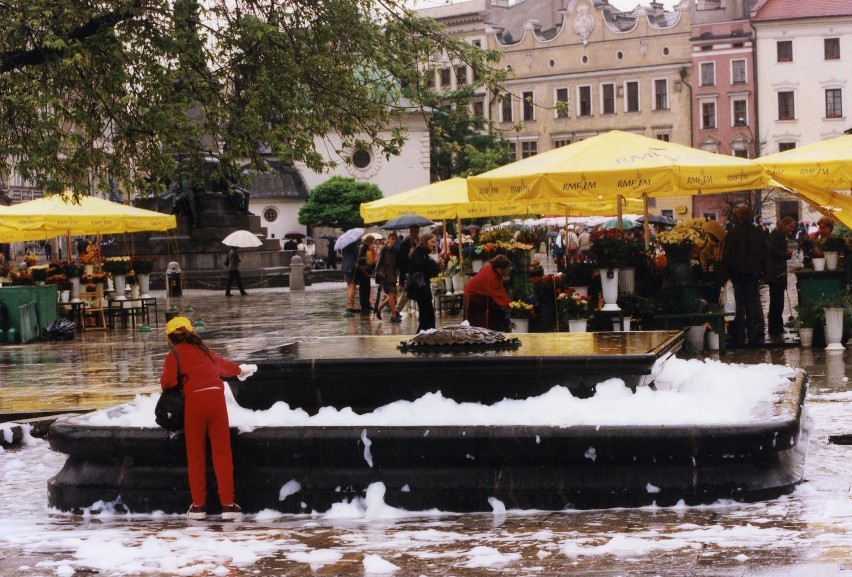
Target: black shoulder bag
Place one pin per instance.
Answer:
(169, 410)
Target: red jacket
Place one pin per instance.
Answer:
(488, 283)
(199, 370)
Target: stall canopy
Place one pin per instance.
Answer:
(448, 199)
(820, 173)
(61, 214)
(616, 163)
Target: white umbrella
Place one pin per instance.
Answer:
(242, 239)
(348, 237)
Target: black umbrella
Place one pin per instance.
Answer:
(658, 219)
(295, 234)
(407, 221)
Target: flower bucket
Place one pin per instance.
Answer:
(834, 329)
(806, 337)
(448, 285)
(831, 258)
(616, 325)
(577, 325)
(712, 341)
(119, 281)
(64, 296)
(144, 285)
(457, 283)
(75, 289)
(609, 284)
(134, 291)
(627, 280)
(695, 337)
(520, 325)
(583, 291)
(819, 263)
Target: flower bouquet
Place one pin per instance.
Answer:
(30, 260)
(521, 310)
(678, 243)
(21, 278)
(834, 243)
(580, 273)
(72, 269)
(91, 256)
(117, 265)
(609, 248)
(38, 273)
(94, 278)
(60, 280)
(573, 306)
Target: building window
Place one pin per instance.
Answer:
(832, 48)
(632, 104)
(584, 97)
(738, 72)
(430, 78)
(562, 109)
(708, 115)
(608, 98)
(506, 108)
(708, 74)
(445, 77)
(785, 50)
(478, 109)
(361, 159)
(786, 106)
(270, 214)
(740, 152)
(529, 107)
(529, 148)
(833, 103)
(661, 94)
(784, 146)
(740, 112)
(669, 212)
(511, 151)
(461, 75)
(560, 142)
(664, 136)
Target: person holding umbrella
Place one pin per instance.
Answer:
(421, 268)
(364, 267)
(232, 261)
(386, 278)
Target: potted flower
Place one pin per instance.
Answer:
(609, 248)
(521, 312)
(678, 243)
(579, 275)
(39, 273)
(117, 265)
(831, 248)
(72, 269)
(574, 309)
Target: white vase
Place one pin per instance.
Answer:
(75, 289)
(806, 337)
(134, 291)
(476, 265)
(831, 258)
(609, 284)
(520, 325)
(144, 285)
(834, 328)
(119, 281)
(627, 280)
(616, 325)
(577, 325)
(819, 263)
(448, 285)
(89, 268)
(712, 341)
(457, 283)
(695, 337)
(583, 291)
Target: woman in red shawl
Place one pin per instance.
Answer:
(485, 296)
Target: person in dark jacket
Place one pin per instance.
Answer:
(744, 259)
(364, 268)
(403, 254)
(386, 275)
(776, 273)
(422, 263)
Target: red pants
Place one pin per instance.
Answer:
(206, 416)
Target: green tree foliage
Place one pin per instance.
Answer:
(135, 88)
(337, 202)
(462, 144)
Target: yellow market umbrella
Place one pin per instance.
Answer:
(613, 163)
(60, 214)
(825, 165)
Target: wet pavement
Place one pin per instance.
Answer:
(806, 533)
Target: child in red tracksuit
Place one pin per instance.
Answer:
(205, 414)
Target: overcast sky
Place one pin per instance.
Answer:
(620, 4)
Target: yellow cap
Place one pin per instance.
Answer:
(179, 323)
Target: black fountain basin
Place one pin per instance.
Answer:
(453, 468)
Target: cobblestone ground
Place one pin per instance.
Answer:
(806, 533)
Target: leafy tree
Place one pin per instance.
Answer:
(134, 89)
(461, 143)
(337, 202)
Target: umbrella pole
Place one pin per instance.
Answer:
(69, 245)
(618, 199)
(645, 225)
(461, 251)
